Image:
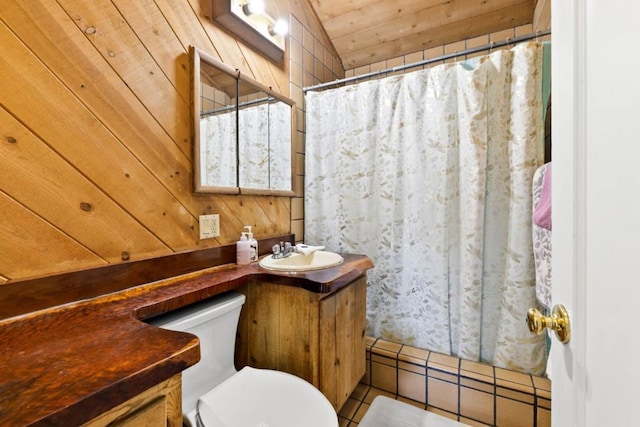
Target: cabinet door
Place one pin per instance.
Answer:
(342, 343)
(318, 337)
(161, 405)
(278, 329)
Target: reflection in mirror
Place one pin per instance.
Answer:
(242, 132)
(264, 140)
(280, 171)
(253, 137)
(218, 128)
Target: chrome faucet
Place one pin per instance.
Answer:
(283, 250)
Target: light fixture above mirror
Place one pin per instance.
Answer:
(252, 7)
(249, 21)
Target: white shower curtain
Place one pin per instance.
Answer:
(253, 146)
(429, 173)
(218, 142)
(280, 146)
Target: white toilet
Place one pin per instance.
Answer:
(214, 394)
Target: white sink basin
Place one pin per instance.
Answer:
(298, 262)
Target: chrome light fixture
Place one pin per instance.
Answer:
(248, 20)
(253, 7)
(280, 27)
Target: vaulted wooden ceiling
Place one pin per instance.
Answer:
(367, 31)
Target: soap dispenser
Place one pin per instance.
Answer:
(243, 250)
(253, 244)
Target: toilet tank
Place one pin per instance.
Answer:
(215, 322)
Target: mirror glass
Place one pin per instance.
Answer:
(218, 128)
(242, 132)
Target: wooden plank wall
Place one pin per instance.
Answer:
(542, 15)
(95, 143)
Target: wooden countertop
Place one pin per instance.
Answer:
(69, 362)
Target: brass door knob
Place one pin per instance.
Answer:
(558, 322)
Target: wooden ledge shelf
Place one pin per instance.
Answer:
(70, 362)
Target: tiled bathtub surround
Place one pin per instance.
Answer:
(473, 393)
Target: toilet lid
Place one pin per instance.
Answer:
(265, 398)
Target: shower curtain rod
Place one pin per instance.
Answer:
(232, 107)
(489, 46)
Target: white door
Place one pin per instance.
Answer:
(596, 211)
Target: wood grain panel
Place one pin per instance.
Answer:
(367, 31)
(83, 70)
(417, 22)
(343, 320)
(31, 167)
(263, 73)
(328, 9)
(318, 337)
(344, 343)
(52, 112)
(156, 35)
(160, 405)
(118, 44)
(542, 15)
(296, 321)
(279, 211)
(351, 22)
(263, 314)
(30, 246)
(441, 35)
(188, 29)
(357, 309)
(327, 341)
(241, 354)
(237, 211)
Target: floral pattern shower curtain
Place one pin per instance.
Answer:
(280, 146)
(253, 146)
(429, 173)
(218, 147)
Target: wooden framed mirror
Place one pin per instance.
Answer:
(242, 132)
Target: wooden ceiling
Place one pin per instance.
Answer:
(367, 31)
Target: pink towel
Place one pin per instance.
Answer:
(542, 212)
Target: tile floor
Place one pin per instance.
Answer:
(472, 393)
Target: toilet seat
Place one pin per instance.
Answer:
(265, 398)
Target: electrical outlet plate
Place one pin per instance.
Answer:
(209, 226)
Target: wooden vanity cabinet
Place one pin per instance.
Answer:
(316, 336)
(160, 405)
